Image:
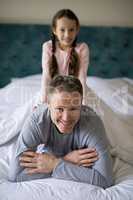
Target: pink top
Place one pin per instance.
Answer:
(62, 60)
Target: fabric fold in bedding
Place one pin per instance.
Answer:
(115, 106)
(118, 124)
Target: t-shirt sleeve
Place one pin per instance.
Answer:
(68, 171)
(29, 138)
(96, 137)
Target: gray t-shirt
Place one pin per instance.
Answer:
(88, 132)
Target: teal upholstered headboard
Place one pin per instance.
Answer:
(111, 50)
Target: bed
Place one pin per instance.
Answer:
(110, 95)
(116, 111)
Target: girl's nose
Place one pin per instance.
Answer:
(66, 33)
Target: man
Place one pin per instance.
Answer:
(72, 134)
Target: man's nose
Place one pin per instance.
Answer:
(66, 115)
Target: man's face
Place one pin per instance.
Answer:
(65, 110)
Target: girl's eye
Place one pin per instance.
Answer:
(62, 30)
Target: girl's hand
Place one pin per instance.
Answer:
(35, 107)
(38, 163)
(82, 157)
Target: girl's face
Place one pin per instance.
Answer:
(66, 31)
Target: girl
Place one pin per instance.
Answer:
(62, 55)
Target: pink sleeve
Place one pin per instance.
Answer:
(84, 62)
(46, 54)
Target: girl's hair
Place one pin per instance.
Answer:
(73, 59)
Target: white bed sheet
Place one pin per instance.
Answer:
(116, 93)
(12, 109)
(113, 101)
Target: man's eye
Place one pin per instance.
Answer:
(59, 109)
(75, 109)
(71, 30)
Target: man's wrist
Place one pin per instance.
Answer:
(56, 162)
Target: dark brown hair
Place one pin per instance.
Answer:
(66, 84)
(74, 59)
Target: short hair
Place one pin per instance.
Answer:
(65, 84)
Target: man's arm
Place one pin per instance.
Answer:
(29, 138)
(45, 163)
(92, 175)
(68, 171)
(100, 173)
(67, 168)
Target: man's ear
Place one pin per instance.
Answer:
(48, 103)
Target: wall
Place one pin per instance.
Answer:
(90, 12)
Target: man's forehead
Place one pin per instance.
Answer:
(67, 98)
(67, 94)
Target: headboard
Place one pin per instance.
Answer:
(111, 50)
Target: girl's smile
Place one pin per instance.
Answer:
(66, 31)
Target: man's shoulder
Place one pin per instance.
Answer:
(91, 126)
(40, 113)
(87, 112)
(89, 120)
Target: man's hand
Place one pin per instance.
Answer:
(38, 163)
(82, 157)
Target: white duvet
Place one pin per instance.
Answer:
(114, 104)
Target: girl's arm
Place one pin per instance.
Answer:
(84, 62)
(44, 83)
(46, 55)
